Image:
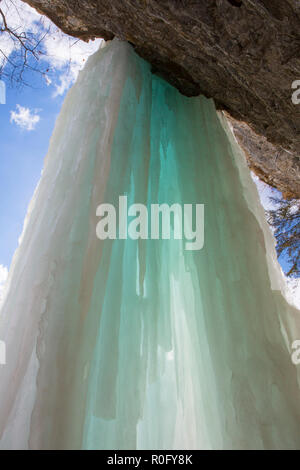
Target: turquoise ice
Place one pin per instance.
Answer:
(141, 344)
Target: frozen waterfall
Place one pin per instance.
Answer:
(141, 344)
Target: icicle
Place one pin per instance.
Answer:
(124, 344)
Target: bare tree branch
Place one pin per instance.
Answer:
(27, 50)
(285, 219)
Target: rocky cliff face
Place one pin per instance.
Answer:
(243, 53)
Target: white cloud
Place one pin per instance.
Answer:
(25, 118)
(68, 56)
(63, 54)
(3, 277)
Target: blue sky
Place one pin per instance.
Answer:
(22, 153)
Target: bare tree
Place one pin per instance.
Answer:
(285, 219)
(26, 49)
